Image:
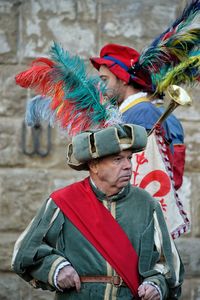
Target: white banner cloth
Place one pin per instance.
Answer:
(152, 172)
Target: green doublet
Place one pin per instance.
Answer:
(57, 240)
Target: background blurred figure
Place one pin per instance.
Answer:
(159, 169)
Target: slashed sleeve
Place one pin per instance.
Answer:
(166, 268)
(36, 257)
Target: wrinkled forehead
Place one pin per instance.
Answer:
(122, 154)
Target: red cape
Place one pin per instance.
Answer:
(79, 203)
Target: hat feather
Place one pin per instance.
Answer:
(175, 44)
(187, 72)
(69, 96)
(174, 49)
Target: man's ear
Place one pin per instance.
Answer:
(93, 166)
(124, 82)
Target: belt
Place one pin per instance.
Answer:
(114, 280)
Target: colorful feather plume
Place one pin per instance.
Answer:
(69, 96)
(187, 73)
(175, 43)
(173, 47)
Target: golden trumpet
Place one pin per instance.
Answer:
(178, 97)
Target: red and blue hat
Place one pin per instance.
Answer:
(119, 59)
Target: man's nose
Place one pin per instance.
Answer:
(127, 164)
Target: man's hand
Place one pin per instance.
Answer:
(148, 292)
(68, 278)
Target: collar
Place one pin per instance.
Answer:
(102, 196)
(158, 102)
(132, 99)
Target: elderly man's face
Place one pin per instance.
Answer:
(112, 173)
(115, 88)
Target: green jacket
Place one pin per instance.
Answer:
(52, 239)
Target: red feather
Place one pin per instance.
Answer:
(38, 76)
(58, 95)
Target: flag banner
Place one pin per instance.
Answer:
(152, 171)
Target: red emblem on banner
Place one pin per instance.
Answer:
(152, 172)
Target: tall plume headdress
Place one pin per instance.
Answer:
(174, 56)
(68, 96)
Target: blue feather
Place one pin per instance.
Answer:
(188, 15)
(70, 98)
(38, 110)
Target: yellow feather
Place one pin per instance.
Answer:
(179, 75)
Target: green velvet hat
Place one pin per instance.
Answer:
(90, 145)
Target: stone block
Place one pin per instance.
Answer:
(195, 204)
(86, 10)
(7, 241)
(191, 289)
(12, 150)
(189, 249)
(43, 23)
(9, 287)
(38, 294)
(134, 20)
(64, 178)
(192, 141)
(79, 38)
(10, 131)
(13, 287)
(22, 193)
(12, 97)
(52, 7)
(9, 16)
(189, 194)
(190, 113)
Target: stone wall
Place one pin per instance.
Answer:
(27, 29)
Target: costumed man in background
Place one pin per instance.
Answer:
(101, 238)
(135, 79)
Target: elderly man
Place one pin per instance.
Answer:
(101, 238)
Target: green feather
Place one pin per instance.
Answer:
(79, 88)
(186, 72)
